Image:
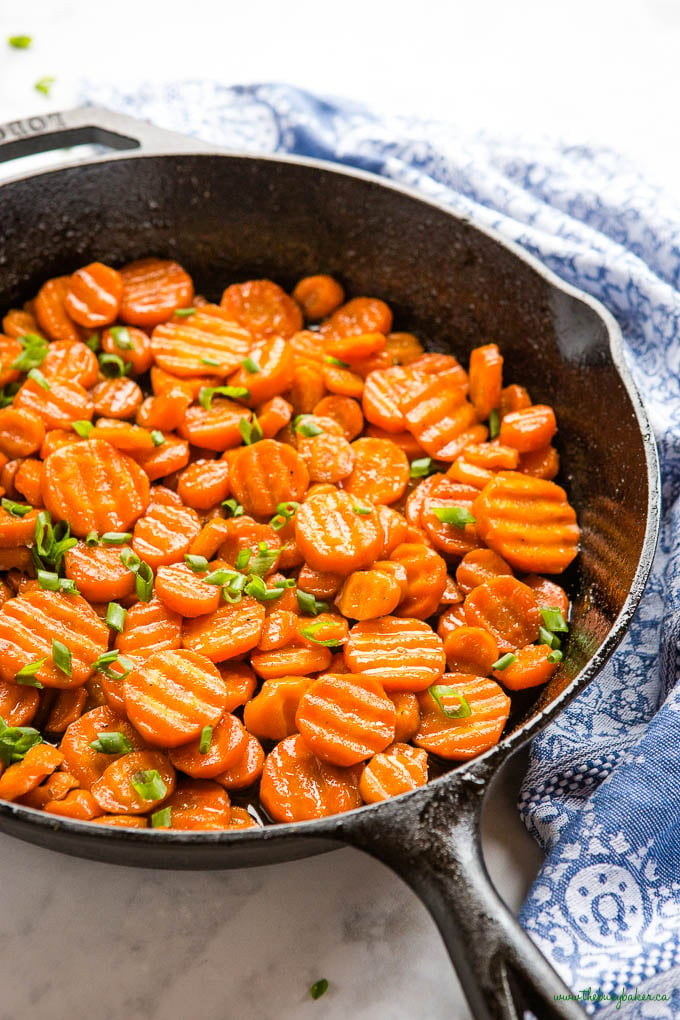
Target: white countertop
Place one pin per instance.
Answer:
(82, 939)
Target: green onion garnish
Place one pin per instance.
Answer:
(52, 582)
(149, 784)
(233, 507)
(243, 558)
(311, 632)
(157, 437)
(220, 577)
(36, 375)
(20, 42)
(319, 988)
(121, 338)
(16, 741)
(546, 637)
(44, 85)
(161, 819)
(259, 590)
(553, 620)
(251, 365)
(309, 604)
(420, 468)
(184, 313)
(115, 616)
(130, 559)
(34, 353)
(440, 691)
(330, 360)
(111, 742)
(144, 582)
(50, 542)
(456, 515)
(115, 538)
(555, 656)
(15, 509)
(251, 431)
(113, 366)
(504, 661)
(263, 560)
(363, 511)
(213, 362)
(61, 657)
(93, 342)
(206, 394)
(494, 424)
(103, 663)
(308, 428)
(284, 512)
(29, 670)
(196, 563)
(205, 740)
(92, 538)
(83, 428)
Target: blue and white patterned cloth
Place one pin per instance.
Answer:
(602, 795)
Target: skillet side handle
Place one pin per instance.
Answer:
(90, 125)
(431, 840)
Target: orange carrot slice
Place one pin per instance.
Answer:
(85, 763)
(529, 429)
(200, 806)
(403, 654)
(116, 398)
(135, 783)
(408, 715)
(78, 804)
(470, 650)
(426, 579)
(50, 310)
(318, 296)
(40, 761)
(531, 667)
(360, 315)
(335, 534)
(381, 471)
(247, 769)
(296, 785)
(441, 418)
(132, 346)
(486, 379)
(94, 295)
(447, 519)
(263, 308)
(368, 594)
(22, 432)
(346, 718)
(57, 403)
(328, 458)
(507, 609)
(292, 660)
(163, 535)
(231, 630)
(399, 769)
(184, 591)
(271, 714)
(152, 290)
(149, 627)
(18, 705)
(345, 411)
(204, 484)
(480, 565)
(241, 684)
(215, 427)
(67, 708)
(459, 738)
(226, 744)
(265, 474)
(207, 342)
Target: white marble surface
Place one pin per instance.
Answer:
(81, 939)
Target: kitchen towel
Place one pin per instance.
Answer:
(602, 794)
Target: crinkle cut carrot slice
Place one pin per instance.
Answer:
(50, 310)
(149, 627)
(359, 315)
(441, 418)
(275, 374)
(291, 660)
(328, 458)
(94, 295)
(115, 790)
(318, 296)
(71, 361)
(398, 769)
(380, 473)
(199, 806)
(126, 437)
(22, 777)
(296, 785)
(529, 522)
(247, 769)
(18, 322)
(403, 654)
(384, 393)
(471, 650)
(345, 411)
(183, 590)
(346, 718)
(99, 573)
(478, 566)
(57, 403)
(215, 427)
(369, 594)
(29, 622)
(172, 455)
(10, 349)
(204, 484)
(265, 474)
(426, 579)
(270, 715)
(164, 534)
(68, 707)
(531, 668)
(541, 463)
(228, 742)
(172, 695)
(449, 538)
(529, 429)
(207, 342)
(78, 804)
(333, 536)
(263, 308)
(408, 715)
(116, 398)
(94, 487)
(82, 761)
(547, 593)
(232, 630)
(461, 738)
(18, 705)
(132, 345)
(152, 290)
(507, 609)
(486, 379)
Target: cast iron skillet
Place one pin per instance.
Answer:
(229, 217)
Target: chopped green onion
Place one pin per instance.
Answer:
(330, 360)
(284, 512)
(259, 590)
(34, 353)
(149, 784)
(28, 681)
(52, 582)
(420, 468)
(15, 509)
(116, 537)
(285, 582)
(309, 604)
(205, 740)
(196, 563)
(251, 431)
(504, 661)
(231, 595)
(494, 424)
(103, 663)
(363, 511)
(121, 338)
(68, 586)
(319, 988)
(553, 620)
(459, 516)
(211, 361)
(546, 637)
(233, 507)
(308, 429)
(44, 85)
(440, 691)
(92, 538)
(83, 428)
(111, 742)
(144, 582)
(36, 375)
(263, 560)
(311, 631)
(93, 342)
(206, 394)
(29, 670)
(20, 42)
(184, 313)
(113, 366)
(161, 819)
(555, 656)
(61, 657)
(251, 365)
(8, 393)
(157, 437)
(130, 560)
(220, 577)
(115, 616)
(50, 542)
(16, 741)
(243, 558)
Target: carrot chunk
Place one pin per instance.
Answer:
(116, 398)
(346, 718)
(486, 379)
(464, 736)
(163, 535)
(398, 769)
(50, 310)
(247, 770)
(94, 295)
(403, 654)
(318, 296)
(84, 762)
(149, 627)
(271, 714)
(152, 290)
(135, 783)
(531, 667)
(22, 432)
(39, 761)
(183, 590)
(18, 705)
(296, 785)
(380, 473)
(368, 594)
(529, 429)
(226, 744)
(470, 650)
(480, 565)
(426, 579)
(507, 609)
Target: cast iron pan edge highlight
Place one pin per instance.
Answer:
(429, 837)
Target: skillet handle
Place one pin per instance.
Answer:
(431, 840)
(90, 125)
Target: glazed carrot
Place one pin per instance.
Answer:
(209, 539)
(205, 343)
(396, 770)
(346, 718)
(16, 530)
(383, 396)
(57, 403)
(214, 751)
(247, 769)
(323, 585)
(296, 785)
(408, 715)
(469, 474)
(265, 474)
(480, 565)
(271, 714)
(426, 577)
(240, 819)
(149, 627)
(529, 522)
(381, 471)
(345, 411)
(531, 667)
(280, 629)
(163, 535)
(116, 398)
(184, 591)
(334, 536)
(486, 379)
(18, 705)
(404, 655)
(204, 484)
(94, 487)
(547, 594)
(493, 456)
(360, 315)
(78, 804)
(50, 310)
(356, 346)
(541, 463)
(446, 517)
(28, 625)
(273, 415)
(403, 348)
(368, 594)
(66, 709)
(263, 308)
(171, 455)
(152, 290)
(471, 650)
(39, 761)
(293, 660)
(28, 481)
(415, 501)
(17, 559)
(446, 365)
(514, 398)
(394, 529)
(54, 788)
(507, 609)
(94, 295)
(530, 429)
(18, 322)
(231, 630)
(308, 387)
(240, 682)
(201, 806)
(135, 783)
(275, 366)
(167, 410)
(132, 346)
(216, 427)
(328, 458)
(244, 535)
(122, 821)
(123, 436)
(10, 350)
(22, 432)
(460, 737)
(71, 361)
(172, 695)
(452, 594)
(318, 296)
(441, 418)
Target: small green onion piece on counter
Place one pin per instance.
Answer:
(61, 657)
(15, 509)
(115, 616)
(251, 431)
(420, 468)
(243, 558)
(309, 604)
(149, 784)
(44, 85)
(251, 365)
(116, 537)
(83, 428)
(546, 637)
(161, 819)
(196, 563)
(441, 691)
(111, 742)
(184, 313)
(157, 437)
(206, 393)
(504, 661)
(319, 988)
(553, 620)
(205, 740)
(233, 507)
(27, 672)
(363, 511)
(494, 424)
(121, 338)
(555, 656)
(459, 516)
(20, 42)
(112, 366)
(144, 582)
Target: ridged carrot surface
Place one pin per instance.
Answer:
(18, 705)
(396, 770)
(334, 535)
(115, 790)
(85, 763)
(507, 609)
(404, 655)
(231, 630)
(358, 315)
(50, 310)
(94, 295)
(346, 718)
(480, 565)
(99, 573)
(131, 345)
(116, 398)
(71, 361)
(296, 785)
(164, 534)
(199, 807)
(271, 714)
(205, 343)
(246, 770)
(226, 745)
(425, 579)
(183, 590)
(57, 403)
(263, 308)
(40, 761)
(152, 290)
(380, 472)
(266, 474)
(459, 739)
(149, 627)
(453, 539)
(442, 419)
(486, 379)
(318, 296)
